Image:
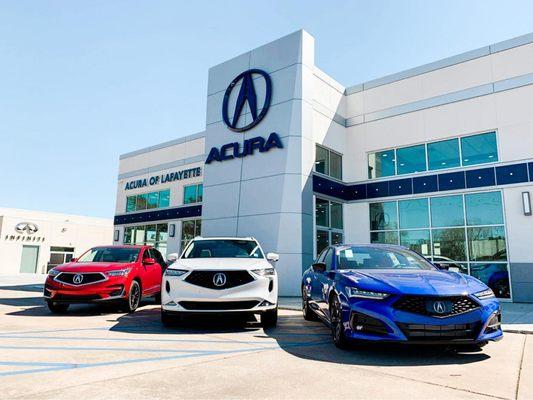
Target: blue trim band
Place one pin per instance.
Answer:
(456, 180)
(159, 215)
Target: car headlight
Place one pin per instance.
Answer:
(53, 272)
(264, 271)
(119, 272)
(365, 294)
(175, 272)
(485, 294)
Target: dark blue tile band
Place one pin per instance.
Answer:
(480, 178)
(159, 215)
(452, 181)
(401, 187)
(509, 174)
(425, 184)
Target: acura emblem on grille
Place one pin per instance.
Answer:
(78, 278)
(439, 307)
(219, 279)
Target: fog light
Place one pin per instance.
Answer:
(171, 304)
(265, 303)
(494, 323)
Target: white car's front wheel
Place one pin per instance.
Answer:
(269, 319)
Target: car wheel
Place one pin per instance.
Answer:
(337, 326)
(57, 308)
(169, 320)
(307, 311)
(269, 319)
(157, 298)
(134, 297)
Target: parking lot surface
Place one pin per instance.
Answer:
(95, 353)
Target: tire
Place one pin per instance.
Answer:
(157, 298)
(134, 297)
(169, 320)
(307, 311)
(269, 319)
(337, 326)
(57, 308)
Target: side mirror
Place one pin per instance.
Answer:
(442, 266)
(148, 261)
(319, 267)
(172, 257)
(73, 260)
(273, 257)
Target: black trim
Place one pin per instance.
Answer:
(159, 215)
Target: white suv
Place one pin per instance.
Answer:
(221, 275)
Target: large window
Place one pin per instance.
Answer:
(154, 235)
(450, 153)
(329, 223)
(328, 162)
(466, 231)
(193, 194)
(148, 201)
(189, 230)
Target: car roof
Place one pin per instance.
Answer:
(225, 238)
(122, 246)
(372, 245)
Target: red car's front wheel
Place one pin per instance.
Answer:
(134, 297)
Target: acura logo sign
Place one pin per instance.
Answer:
(439, 307)
(219, 279)
(26, 227)
(78, 278)
(247, 94)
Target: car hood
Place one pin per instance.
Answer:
(77, 267)
(417, 282)
(216, 264)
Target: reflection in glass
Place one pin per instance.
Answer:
(484, 208)
(164, 198)
(322, 212)
(495, 276)
(336, 238)
(153, 200)
(447, 211)
(411, 159)
(131, 203)
(444, 154)
(141, 201)
(383, 216)
(479, 149)
(414, 213)
(321, 160)
(150, 234)
(128, 234)
(336, 215)
(335, 165)
(189, 194)
(321, 240)
(381, 164)
(418, 241)
(200, 195)
(449, 244)
(139, 235)
(162, 232)
(384, 237)
(487, 244)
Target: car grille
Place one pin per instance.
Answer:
(207, 279)
(366, 324)
(417, 305)
(439, 332)
(218, 305)
(90, 277)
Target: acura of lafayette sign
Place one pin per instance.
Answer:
(247, 94)
(164, 178)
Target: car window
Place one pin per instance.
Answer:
(109, 254)
(322, 255)
(159, 258)
(147, 254)
(223, 248)
(328, 259)
(366, 257)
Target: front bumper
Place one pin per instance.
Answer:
(257, 296)
(113, 288)
(376, 320)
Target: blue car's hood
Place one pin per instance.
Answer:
(420, 282)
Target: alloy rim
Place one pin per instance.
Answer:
(134, 296)
(336, 320)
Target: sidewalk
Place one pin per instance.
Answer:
(516, 317)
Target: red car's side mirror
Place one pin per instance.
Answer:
(148, 261)
(73, 260)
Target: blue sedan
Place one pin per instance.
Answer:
(391, 294)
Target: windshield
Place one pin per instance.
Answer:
(366, 257)
(110, 254)
(223, 248)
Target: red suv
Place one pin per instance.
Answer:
(122, 274)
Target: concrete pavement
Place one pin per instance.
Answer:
(95, 353)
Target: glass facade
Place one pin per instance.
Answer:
(465, 231)
(328, 162)
(193, 194)
(148, 201)
(450, 153)
(329, 223)
(153, 234)
(189, 230)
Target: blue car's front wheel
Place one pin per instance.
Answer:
(337, 325)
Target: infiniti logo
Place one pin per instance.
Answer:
(219, 279)
(26, 227)
(78, 278)
(439, 307)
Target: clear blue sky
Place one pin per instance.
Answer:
(82, 82)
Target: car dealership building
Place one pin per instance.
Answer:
(438, 158)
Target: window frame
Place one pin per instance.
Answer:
(328, 162)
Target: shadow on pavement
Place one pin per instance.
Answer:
(24, 288)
